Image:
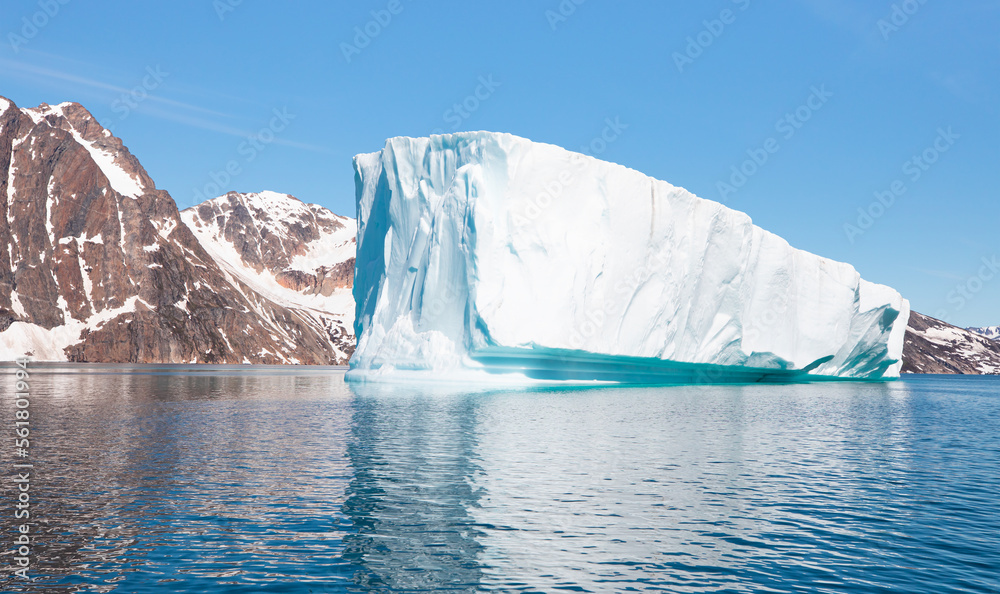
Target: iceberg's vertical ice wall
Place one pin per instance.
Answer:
(487, 257)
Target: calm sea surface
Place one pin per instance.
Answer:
(224, 480)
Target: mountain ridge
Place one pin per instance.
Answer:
(934, 346)
(991, 332)
(100, 267)
(296, 254)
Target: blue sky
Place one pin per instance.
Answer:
(821, 104)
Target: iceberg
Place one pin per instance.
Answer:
(486, 258)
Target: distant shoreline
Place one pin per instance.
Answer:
(55, 367)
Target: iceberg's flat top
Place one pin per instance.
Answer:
(485, 253)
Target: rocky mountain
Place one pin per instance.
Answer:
(991, 332)
(933, 346)
(100, 266)
(298, 255)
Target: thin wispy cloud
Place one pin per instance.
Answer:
(850, 16)
(205, 124)
(154, 105)
(962, 85)
(65, 63)
(947, 275)
(39, 72)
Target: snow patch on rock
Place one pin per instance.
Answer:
(49, 344)
(329, 314)
(120, 181)
(991, 332)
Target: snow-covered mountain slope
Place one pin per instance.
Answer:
(991, 332)
(96, 264)
(488, 257)
(933, 346)
(298, 255)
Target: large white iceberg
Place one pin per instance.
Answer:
(486, 257)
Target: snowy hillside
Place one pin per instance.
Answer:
(991, 332)
(298, 255)
(933, 346)
(97, 265)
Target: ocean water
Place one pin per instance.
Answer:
(151, 479)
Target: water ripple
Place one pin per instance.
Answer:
(158, 481)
